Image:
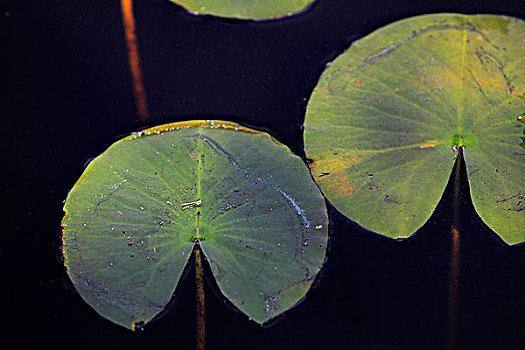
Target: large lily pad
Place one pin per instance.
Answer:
(387, 117)
(133, 218)
(245, 9)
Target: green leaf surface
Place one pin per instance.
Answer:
(387, 117)
(245, 9)
(134, 216)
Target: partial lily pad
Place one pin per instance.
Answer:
(245, 9)
(133, 218)
(387, 117)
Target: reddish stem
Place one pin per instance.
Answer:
(134, 58)
(453, 284)
(201, 306)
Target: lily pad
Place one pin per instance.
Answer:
(388, 116)
(135, 215)
(246, 9)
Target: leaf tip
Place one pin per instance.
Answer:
(138, 326)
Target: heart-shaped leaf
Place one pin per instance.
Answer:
(135, 215)
(245, 9)
(387, 117)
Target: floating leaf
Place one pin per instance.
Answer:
(245, 9)
(133, 218)
(387, 117)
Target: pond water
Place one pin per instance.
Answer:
(70, 96)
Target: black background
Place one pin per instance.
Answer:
(67, 95)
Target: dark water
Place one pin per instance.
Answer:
(68, 96)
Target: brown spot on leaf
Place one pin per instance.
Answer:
(431, 143)
(338, 183)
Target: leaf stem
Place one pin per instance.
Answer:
(134, 58)
(453, 284)
(201, 306)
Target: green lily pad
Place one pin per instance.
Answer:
(388, 116)
(245, 9)
(133, 218)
